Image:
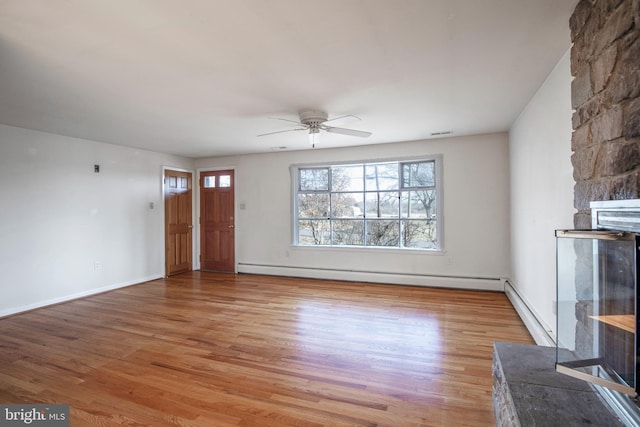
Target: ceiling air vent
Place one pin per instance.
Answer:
(446, 132)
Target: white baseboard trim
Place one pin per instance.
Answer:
(472, 283)
(39, 304)
(537, 329)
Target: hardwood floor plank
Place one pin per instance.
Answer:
(208, 349)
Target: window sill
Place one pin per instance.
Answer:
(365, 249)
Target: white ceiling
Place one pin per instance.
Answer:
(202, 78)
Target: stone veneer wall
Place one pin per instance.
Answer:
(605, 94)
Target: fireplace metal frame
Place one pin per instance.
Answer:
(613, 220)
(602, 373)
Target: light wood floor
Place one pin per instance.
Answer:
(206, 349)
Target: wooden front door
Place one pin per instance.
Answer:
(178, 222)
(217, 221)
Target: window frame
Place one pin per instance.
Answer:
(401, 188)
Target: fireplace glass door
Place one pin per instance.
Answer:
(596, 307)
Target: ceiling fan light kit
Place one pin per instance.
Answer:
(314, 121)
(314, 136)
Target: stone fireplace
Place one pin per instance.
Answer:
(605, 144)
(605, 94)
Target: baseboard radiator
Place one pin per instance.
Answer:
(471, 283)
(541, 333)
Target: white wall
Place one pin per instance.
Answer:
(58, 217)
(541, 191)
(476, 214)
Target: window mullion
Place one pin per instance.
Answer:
(399, 213)
(331, 222)
(364, 204)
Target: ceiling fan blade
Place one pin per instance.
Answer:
(348, 116)
(281, 131)
(287, 120)
(350, 132)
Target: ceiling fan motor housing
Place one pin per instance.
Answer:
(313, 118)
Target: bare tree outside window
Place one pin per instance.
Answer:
(418, 205)
(315, 179)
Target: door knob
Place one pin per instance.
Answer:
(231, 226)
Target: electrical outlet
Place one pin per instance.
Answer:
(97, 265)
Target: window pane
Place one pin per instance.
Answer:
(418, 204)
(314, 232)
(224, 180)
(348, 232)
(382, 233)
(381, 176)
(314, 205)
(347, 178)
(418, 174)
(419, 234)
(316, 179)
(347, 205)
(381, 205)
(209, 182)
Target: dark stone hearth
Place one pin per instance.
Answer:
(527, 391)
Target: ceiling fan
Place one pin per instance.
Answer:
(314, 121)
